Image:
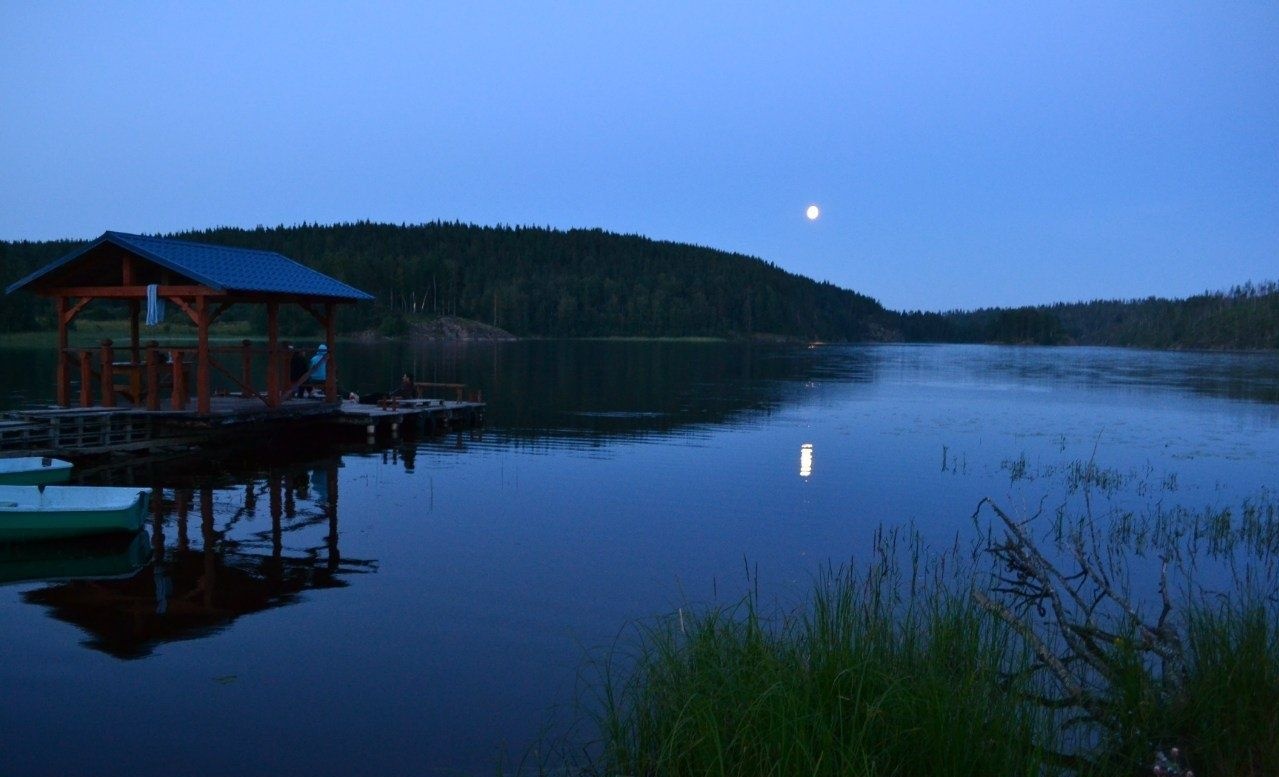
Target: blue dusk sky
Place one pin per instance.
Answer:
(963, 154)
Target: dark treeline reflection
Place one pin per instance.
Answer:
(1248, 377)
(594, 389)
(225, 538)
(601, 389)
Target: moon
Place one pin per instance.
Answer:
(812, 212)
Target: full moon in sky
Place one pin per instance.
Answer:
(813, 212)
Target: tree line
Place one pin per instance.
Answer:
(542, 282)
(529, 281)
(1244, 317)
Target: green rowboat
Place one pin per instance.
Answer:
(51, 512)
(33, 470)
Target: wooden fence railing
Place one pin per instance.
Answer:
(157, 375)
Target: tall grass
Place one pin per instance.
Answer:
(909, 668)
(872, 677)
(1228, 719)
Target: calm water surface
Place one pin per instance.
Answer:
(424, 607)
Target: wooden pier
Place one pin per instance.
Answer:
(148, 396)
(83, 432)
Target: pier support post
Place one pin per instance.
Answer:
(273, 398)
(179, 401)
(135, 312)
(108, 375)
(153, 376)
(86, 379)
(64, 359)
(246, 372)
(330, 337)
(203, 391)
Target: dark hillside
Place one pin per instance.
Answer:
(533, 281)
(589, 283)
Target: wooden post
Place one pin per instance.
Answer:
(272, 355)
(246, 374)
(204, 402)
(86, 379)
(108, 375)
(179, 401)
(330, 339)
(64, 358)
(135, 311)
(153, 376)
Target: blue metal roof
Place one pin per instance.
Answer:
(218, 267)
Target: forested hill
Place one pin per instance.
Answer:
(530, 281)
(542, 282)
(1244, 318)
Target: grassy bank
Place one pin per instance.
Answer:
(858, 683)
(1022, 655)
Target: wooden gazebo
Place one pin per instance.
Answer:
(200, 280)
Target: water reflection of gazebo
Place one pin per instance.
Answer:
(203, 282)
(196, 587)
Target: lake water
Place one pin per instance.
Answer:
(422, 608)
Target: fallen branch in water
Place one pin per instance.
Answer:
(1086, 634)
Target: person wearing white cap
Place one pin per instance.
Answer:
(319, 366)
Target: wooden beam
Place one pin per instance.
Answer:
(204, 402)
(63, 373)
(220, 310)
(185, 308)
(75, 309)
(153, 376)
(86, 379)
(273, 398)
(317, 315)
(246, 389)
(135, 312)
(130, 292)
(106, 375)
(179, 399)
(330, 339)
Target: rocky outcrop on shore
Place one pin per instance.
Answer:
(453, 329)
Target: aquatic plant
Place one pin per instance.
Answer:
(1043, 663)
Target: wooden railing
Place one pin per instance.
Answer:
(161, 374)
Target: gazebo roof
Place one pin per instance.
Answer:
(222, 269)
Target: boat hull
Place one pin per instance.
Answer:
(33, 471)
(56, 512)
(83, 558)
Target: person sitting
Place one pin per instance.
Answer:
(406, 389)
(297, 368)
(319, 369)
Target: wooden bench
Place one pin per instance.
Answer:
(423, 388)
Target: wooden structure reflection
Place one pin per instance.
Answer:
(203, 577)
